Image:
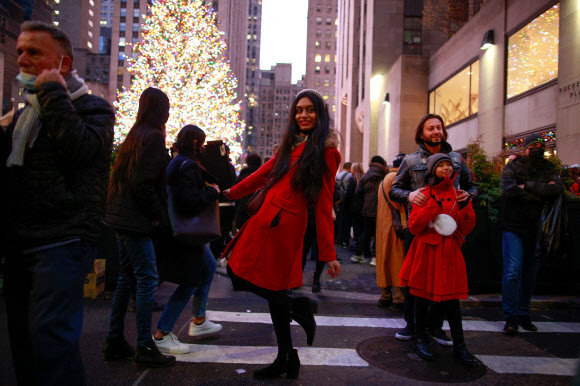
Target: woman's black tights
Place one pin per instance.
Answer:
(279, 303)
(449, 308)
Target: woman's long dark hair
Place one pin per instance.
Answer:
(152, 115)
(311, 165)
(190, 141)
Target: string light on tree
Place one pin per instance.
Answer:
(182, 53)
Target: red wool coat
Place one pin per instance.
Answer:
(434, 267)
(267, 254)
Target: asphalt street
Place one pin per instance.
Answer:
(348, 315)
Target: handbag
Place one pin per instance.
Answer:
(200, 228)
(259, 196)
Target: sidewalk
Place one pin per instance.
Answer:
(358, 282)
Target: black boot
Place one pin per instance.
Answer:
(117, 348)
(422, 348)
(285, 363)
(315, 285)
(302, 311)
(148, 355)
(463, 356)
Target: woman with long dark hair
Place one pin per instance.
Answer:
(136, 209)
(265, 257)
(191, 266)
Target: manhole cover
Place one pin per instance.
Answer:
(398, 357)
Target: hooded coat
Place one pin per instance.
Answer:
(267, 251)
(434, 267)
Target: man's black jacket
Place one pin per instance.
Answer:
(59, 193)
(522, 207)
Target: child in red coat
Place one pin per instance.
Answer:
(434, 269)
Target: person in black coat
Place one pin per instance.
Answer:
(190, 266)
(137, 209)
(254, 162)
(54, 166)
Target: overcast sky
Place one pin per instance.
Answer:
(284, 35)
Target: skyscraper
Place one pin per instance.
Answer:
(253, 73)
(276, 96)
(321, 49)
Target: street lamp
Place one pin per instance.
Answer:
(488, 40)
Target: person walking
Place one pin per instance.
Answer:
(434, 269)
(342, 218)
(431, 136)
(265, 257)
(192, 266)
(136, 210)
(390, 247)
(528, 182)
(368, 187)
(54, 166)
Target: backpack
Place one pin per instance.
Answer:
(340, 189)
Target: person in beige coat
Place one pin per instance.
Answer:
(390, 248)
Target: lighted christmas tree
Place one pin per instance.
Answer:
(182, 53)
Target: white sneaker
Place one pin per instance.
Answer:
(357, 259)
(171, 345)
(207, 327)
(374, 261)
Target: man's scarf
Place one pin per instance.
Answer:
(29, 123)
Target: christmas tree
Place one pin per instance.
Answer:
(182, 53)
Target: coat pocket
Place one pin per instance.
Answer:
(286, 204)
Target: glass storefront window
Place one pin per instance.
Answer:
(533, 53)
(457, 98)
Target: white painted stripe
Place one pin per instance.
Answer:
(530, 365)
(335, 321)
(310, 356)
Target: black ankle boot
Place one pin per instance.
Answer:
(422, 348)
(285, 363)
(117, 348)
(463, 356)
(148, 355)
(302, 311)
(316, 286)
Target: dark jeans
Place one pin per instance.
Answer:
(44, 308)
(357, 227)
(137, 259)
(435, 320)
(369, 231)
(344, 228)
(520, 269)
(449, 308)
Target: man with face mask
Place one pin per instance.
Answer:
(54, 166)
(527, 183)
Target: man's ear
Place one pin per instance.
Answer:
(66, 66)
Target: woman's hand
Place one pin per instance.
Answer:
(215, 186)
(226, 194)
(333, 268)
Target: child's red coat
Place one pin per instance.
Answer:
(434, 267)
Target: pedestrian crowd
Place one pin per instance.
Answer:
(60, 190)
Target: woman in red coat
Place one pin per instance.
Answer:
(434, 269)
(265, 257)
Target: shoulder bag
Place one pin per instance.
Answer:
(201, 228)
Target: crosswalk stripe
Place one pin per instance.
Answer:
(316, 356)
(342, 321)
(530, 365)
(322, 356)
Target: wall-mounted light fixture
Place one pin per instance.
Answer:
(387, 98)
(488, 40)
